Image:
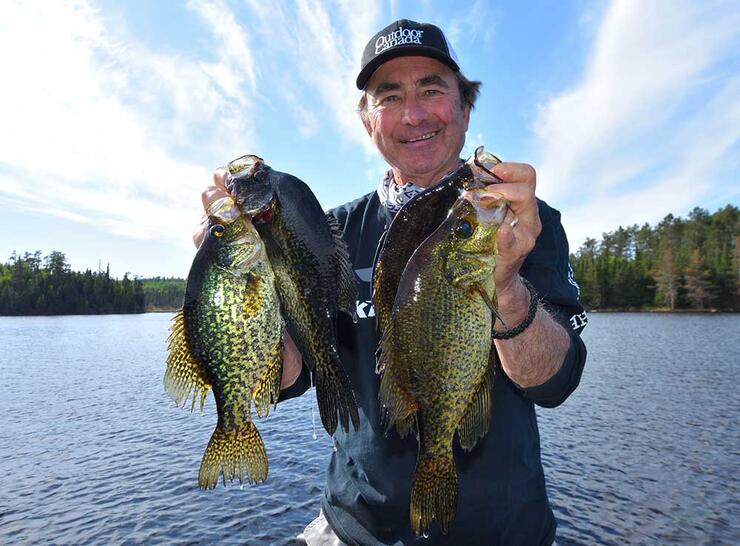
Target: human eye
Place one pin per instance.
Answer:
(432, 92)
(389, 99)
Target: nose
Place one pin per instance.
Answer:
(413, 111)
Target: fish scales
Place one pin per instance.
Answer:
(411, 225)
(435, 354)
(228, 338)
(314, 278)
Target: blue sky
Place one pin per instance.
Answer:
(114, 114)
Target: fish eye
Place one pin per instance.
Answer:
(463, 229)
(217, 230)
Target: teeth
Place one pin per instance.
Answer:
(422, 137)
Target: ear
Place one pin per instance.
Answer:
(368, 126)
(466, 115)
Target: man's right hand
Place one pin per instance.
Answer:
(292, 360)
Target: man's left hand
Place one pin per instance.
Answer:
(521, 227)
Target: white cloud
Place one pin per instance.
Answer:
(474, 25)
(318, 54)
(96, 126)
(651, 120)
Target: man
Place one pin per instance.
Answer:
(415, 106)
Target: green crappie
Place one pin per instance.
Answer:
(436, 356)
(228, 337)
(313, 275)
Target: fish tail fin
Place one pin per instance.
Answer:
(346, 283)
(184, 377)
(433, 493)
(233, 453)
(335, 396)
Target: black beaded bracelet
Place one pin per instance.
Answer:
(516, 330)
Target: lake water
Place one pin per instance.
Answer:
(92, 451)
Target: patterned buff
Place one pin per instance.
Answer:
(394, 196)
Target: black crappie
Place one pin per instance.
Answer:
(228, 337)
(313, 274)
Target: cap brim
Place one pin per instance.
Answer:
(403, 51)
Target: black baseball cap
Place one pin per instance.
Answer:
(405, 38)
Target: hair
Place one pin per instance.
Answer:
(469, 91)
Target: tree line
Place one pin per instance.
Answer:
(691, 263)
(34, 285)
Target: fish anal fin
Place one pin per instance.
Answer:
(433, 493)
(398, 405)
(184, 377)
(477, 417)
(334, 394)
(233, 453)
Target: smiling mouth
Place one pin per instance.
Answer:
(420, 138)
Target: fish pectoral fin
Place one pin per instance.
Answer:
(345, 281)
(489, 302)
(184, 375)
(235, 453)
(477, 417)
(398, 405)
(267, 388)
(433, 493)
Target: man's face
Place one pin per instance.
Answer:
(416, 119)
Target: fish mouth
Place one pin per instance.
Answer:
(490, 207)
(484, 258)
(482, 163)
(420, 138)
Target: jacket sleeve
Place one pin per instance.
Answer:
(301, 385)
(548, 270)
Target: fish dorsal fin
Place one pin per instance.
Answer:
(474, 423)
(184, 376)
(346, 283)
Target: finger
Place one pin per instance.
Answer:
(516, 172)
(219, 178)
(211, 194)
(291, 362)
(520, 197)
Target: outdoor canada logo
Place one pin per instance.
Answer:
(400, 36)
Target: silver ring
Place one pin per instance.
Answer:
(514, 222)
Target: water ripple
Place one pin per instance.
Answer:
(93, 451)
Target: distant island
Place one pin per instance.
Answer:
(32, 285)
(680, 264)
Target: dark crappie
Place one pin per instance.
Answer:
(228, 337)
(313, 273)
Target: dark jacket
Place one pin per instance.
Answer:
(501, 484)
